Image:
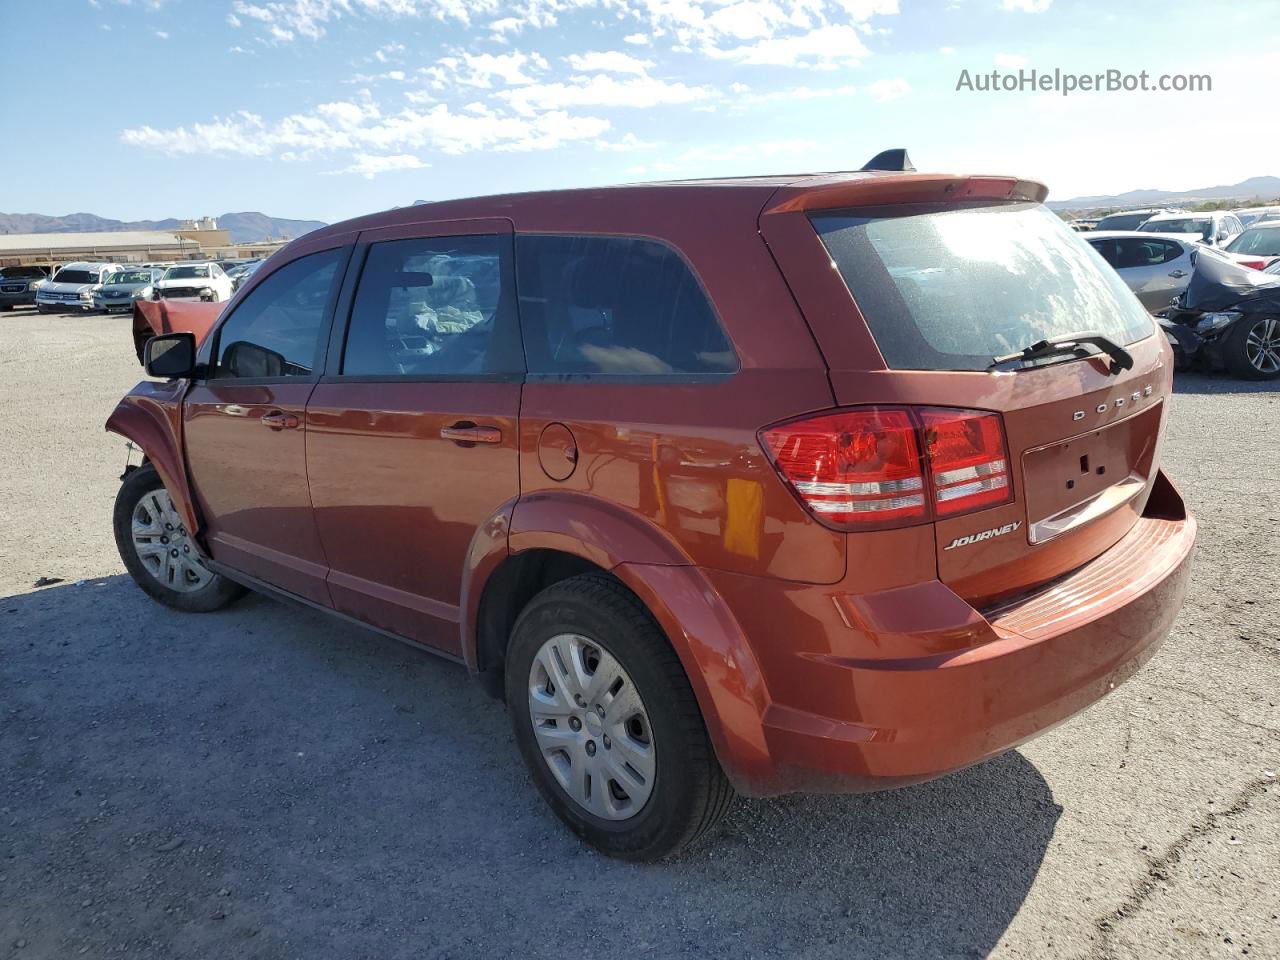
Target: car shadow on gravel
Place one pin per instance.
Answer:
(268, 782)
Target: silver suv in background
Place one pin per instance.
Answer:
(1216, 228)
(73, 287)
(1155, 267)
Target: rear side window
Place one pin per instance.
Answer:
(275, 330)
(615, 306)
(1132, 252)
(434, 306)
(951, 288)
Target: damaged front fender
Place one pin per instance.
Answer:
(151, 417)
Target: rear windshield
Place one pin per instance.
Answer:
(1200, 225)
(949, 289)
(1123, 221)
(76, 276)
(1263, 241)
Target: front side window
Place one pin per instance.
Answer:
(275, 330)
(615, 305)
(949, 288)
(433, 306)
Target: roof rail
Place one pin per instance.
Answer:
(895, 160)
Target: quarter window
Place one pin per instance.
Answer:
(615, 305)
(275, 330)
(433, 306)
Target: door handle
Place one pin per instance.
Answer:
(1178, 274)
(279, 420)
(466, 433)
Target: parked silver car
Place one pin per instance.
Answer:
(1155, 267)
(123, 287)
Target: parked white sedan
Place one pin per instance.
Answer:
(194, 281)
(1155, 267)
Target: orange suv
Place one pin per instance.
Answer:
(831, 482)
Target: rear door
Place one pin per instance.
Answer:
(412, 433)
(924, 297)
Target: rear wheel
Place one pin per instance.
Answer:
(1252, 348)
(607, 722)
(160, 553)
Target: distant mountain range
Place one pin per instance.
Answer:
(1255, 188)
(243, 227)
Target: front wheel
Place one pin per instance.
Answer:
(159, 552)
(1252, 348)
(608, 724)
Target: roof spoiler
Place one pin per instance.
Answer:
(895, 160)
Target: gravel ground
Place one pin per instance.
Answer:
(264, 782)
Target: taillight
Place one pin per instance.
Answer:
(1252, 264)
(967, 455)
(874, 467)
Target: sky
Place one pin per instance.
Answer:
(328, 109)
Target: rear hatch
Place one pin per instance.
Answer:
(923, 296)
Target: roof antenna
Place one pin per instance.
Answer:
(895, 160)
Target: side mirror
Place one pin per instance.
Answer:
(171, 356)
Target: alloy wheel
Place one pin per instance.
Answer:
(163, 545)
(591, 727)
(1262, 345)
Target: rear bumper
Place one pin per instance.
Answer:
(879, 690)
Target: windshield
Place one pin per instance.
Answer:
(949, 289)
(130, 276)
(1264, 241)
(76, 276)
(22, 273)
(186, 273)
(1200, 225)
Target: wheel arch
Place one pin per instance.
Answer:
(552, 538)
(150, 417)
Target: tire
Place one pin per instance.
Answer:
(686, 793)
(1251, 349)
(155, 570)
(5, 307)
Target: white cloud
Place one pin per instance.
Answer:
(482, 69)
(825, 48)
(609, 62)
(387, 52)
(889, 89)
(1010, 61)
(637, 39)
(507, 25)
(602, 91)
(947, 51)
(370, 165)
(1026, 6)
(161, 34)
(362, 127)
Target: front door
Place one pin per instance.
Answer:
(245, 430)
(412, 433)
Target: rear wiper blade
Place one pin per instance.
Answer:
(1121, 359)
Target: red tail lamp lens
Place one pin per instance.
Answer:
(855, 468)
(967, 455)
(877, 467)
